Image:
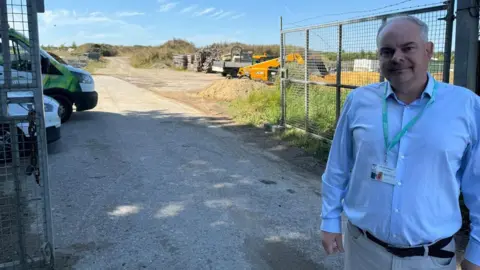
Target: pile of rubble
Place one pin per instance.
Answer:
(202, 60)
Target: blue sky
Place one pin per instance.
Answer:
(152, 22)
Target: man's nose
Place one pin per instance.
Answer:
(398, 56)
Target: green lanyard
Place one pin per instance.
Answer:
(396, 139)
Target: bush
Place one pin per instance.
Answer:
(145, 57)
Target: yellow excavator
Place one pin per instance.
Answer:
(267, 70)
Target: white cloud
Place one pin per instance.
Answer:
(59, 27)
(216, 13)
(129, 13)
(225, 14)
(96, 13)
(189, 8)
(167, 7)
(205, 11)
(238, 16)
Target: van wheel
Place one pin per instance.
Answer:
(66, 108)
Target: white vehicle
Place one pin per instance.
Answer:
(52, 124)
(51, 107)
(51, 115)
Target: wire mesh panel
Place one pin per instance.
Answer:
(294, 52)
(342, 56)
(295, 104)
(322, 65)
(360, 65)
(25, 223)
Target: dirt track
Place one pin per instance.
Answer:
(142, 182)
(157, 79)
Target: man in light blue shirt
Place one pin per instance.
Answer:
(402, 152)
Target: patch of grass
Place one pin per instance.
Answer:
(263, 106)
(94, 65)
(258, 107)
(314, 146)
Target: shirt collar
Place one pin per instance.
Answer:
(427, 91)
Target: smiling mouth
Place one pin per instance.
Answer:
(398, 70)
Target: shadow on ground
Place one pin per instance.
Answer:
(146, 190)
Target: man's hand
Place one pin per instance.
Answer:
(333, 243)
(467, 265)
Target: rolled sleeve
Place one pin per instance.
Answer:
(337, 172)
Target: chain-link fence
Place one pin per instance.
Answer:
(322, 63)
(25, 221)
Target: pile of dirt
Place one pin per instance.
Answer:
(228, 90)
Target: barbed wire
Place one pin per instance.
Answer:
(386, 12)
(351, 12)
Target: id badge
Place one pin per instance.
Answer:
(384, 174)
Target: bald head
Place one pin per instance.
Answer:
(392, 22)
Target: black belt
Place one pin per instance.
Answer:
(434, 250)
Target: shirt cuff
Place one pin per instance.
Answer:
(332, 225)
(472, 254)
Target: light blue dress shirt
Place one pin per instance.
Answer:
(434, 160)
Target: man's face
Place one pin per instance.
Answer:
(403, 54)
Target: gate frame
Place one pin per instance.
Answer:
(33, 7)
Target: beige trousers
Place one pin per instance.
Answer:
(363, 254)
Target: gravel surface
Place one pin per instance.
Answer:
(142, 182)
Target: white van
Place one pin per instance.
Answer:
(51, 116)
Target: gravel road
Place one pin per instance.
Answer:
(142, 182)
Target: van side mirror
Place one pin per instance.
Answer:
(45, 65)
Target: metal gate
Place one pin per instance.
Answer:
(320, 64)
(26, 240)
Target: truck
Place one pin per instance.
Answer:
(232, 62)
(68, 85)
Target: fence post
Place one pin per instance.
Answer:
(7, 71)
(307, 90)
(282, 83)
(339, 73)
(447, 55)
(466, 43)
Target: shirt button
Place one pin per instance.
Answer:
(394, 236)
(396, 210)
(399, 183)
(402, 156)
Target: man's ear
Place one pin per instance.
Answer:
(429, 49)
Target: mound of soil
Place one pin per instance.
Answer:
(228, 90)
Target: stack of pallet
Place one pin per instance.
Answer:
(191, 62)
(180, 61)
(211, 54)
(198, 61)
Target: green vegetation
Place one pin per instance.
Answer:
(93, 65)
(264, 106)
(150, 56)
